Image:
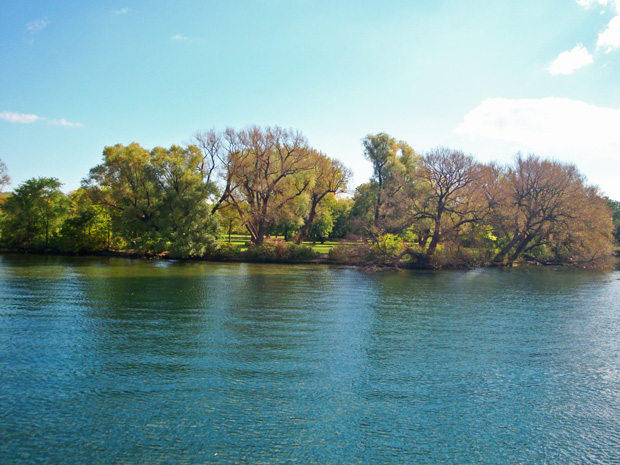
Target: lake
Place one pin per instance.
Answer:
(110, 361)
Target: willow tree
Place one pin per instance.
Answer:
(544, 203)
(157, 199)
(329, 177)
(448, 193)
(267, 169)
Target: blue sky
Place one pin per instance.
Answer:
(490, 78)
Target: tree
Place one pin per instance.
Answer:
(383, 151)
(379, 206)
(267, 169)
(546, 204)
(184, 219)
(125, 185)
(330, 177)
(448, 193)
(86, 227)
(5, 180)
(615, 209)
(34, 213)
(157, 200)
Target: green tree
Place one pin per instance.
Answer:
(157, 200)
(393, 162)
(87, 225)
(33, 214)
(330, 177)
(340, 211)
(379, 150)
(614, 205)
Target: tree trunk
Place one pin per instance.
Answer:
(435, 239)
(526, 240)
(507, 248)
(378, 206)
(306, 227)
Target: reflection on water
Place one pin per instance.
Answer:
(132, 361)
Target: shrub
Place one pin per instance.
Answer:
(279, 251)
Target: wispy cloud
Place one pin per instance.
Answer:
(180, 38)
(28, 118)
(570, 61)
(64, 122)
(36, 26)
(122, 11)
(20, 118)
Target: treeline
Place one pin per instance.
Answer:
(442, 208)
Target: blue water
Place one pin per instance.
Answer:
(112, 361)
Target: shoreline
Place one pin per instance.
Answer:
(323, 259)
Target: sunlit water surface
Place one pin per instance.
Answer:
(149, 362)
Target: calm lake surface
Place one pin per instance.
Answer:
(147, 362)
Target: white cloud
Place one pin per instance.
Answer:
(568, 130)
(64, 122)
(26, 118)
(548, 123)
(122, 11)
(21, 118)
(609, 39)
(570, 61)
(589, 3)
(36, 26)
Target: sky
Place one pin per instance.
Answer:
(488, 77)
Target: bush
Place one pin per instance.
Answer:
(279, 251)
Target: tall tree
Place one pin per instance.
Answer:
(392, 161)
(330, 177)
(379, 150)
(157, 200)
(268, 168)
(448, 192)
(542, 204)
(124, 183)
(34, 213)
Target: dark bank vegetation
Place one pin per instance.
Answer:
(442, 208)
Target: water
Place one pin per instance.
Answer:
(117, 361)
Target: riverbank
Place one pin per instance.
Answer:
(311, 259)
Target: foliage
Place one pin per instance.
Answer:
(542, 203)
(340, 212)
(86, 228)
(5, 180)
(157, 200)
(386, 249)
(441, 208)
(615, 209)
(277, 250)
(33, 214)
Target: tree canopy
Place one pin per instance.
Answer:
(439, 208)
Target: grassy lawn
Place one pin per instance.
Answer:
(240, 240)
